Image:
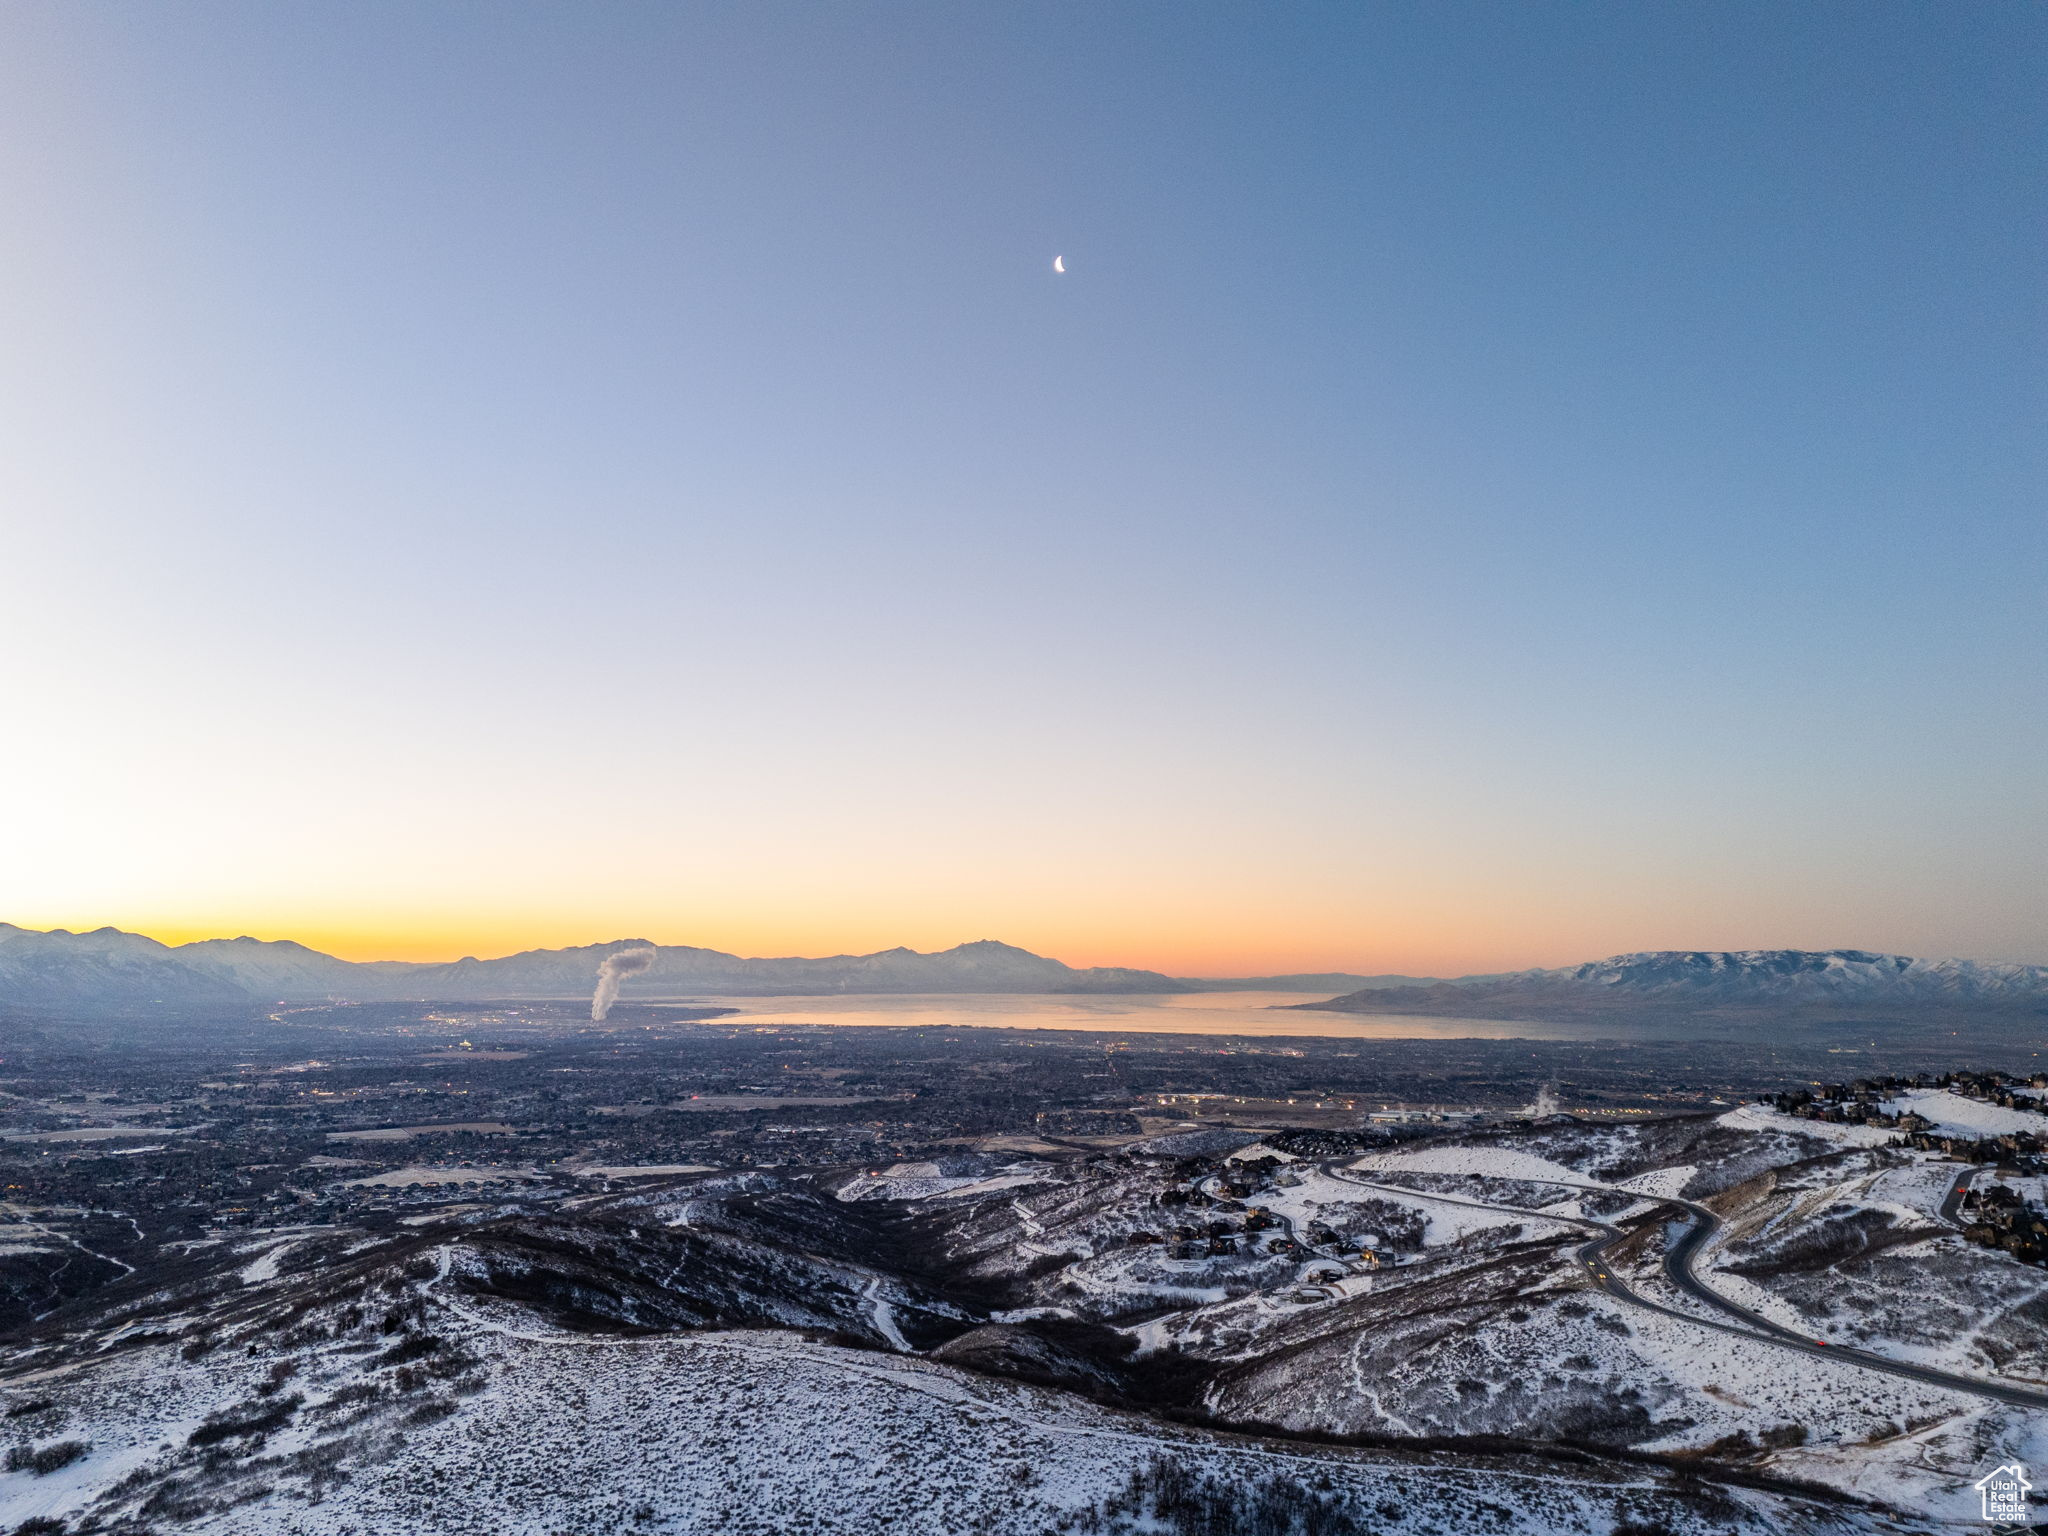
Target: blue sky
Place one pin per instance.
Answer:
(1497, 484)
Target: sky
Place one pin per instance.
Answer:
(1497, 485)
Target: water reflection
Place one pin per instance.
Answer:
(1191, 1013)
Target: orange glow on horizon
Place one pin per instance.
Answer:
(1173, 954)
(448, 945)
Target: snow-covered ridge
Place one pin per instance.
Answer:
(1694, 978)
(1795, 973)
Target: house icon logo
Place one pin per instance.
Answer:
(2005, 1494)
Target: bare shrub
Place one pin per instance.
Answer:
(245, 1423)
(43, 1460)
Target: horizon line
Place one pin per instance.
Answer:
(1178, 975)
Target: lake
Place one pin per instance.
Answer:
(1179, 1013)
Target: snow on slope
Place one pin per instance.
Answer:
(758, 1432)
(1322, 1197)
(1761, 1117)
(761, 1434)
(904, 1181)
(1854, 1250)
(990, 1185)
(264, 1266)
(1487, 1162)
(1951, 1113)
(1501, 1346)
(1955, 1115)
(1781, 975)
(1661, 1182)
(1929, 1472)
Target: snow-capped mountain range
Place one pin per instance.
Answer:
(107, 967)
(1733, 978)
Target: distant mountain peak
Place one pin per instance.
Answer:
(1731, 978)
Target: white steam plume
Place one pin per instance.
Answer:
(620, 962)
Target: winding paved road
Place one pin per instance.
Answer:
(1678, 1257)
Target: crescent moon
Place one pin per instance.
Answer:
(1059, 263)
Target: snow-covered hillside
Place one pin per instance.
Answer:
(995, 1343)
(418, 1405)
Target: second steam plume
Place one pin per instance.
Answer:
(620, 963)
